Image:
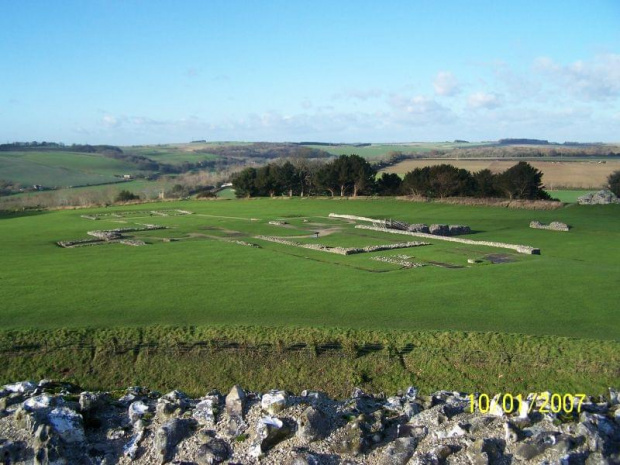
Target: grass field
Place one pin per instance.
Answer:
(61, 169)
(206, 280)
(557, 174)
(378, 150)
(172, 154)
(568, 196)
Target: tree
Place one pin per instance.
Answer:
(522, 181)
(389, 184)
(362, 173)
(485, 182)
(449, 181)
(613, 182)
(244, 183)
(417, 182)
(126, 196)
(326, 179)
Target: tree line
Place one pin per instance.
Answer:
(352, 175)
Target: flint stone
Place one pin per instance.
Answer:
(484, 451)
(137, 410)
(169, 435)
(235, 402)
(312, 425)
(269, 432)
(213, 452)
(206, 410)
(351, 440)
(68, 424)
(274, 402)
(92, 401)
(399, 452)
(23, 387)
(131, 448)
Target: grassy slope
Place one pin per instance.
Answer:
(569, 290)
(89, 315)
(61, 168)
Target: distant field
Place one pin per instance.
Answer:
(172, 154)
(557, 174)
(54, 168)
(378, 150)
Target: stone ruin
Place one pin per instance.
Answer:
(343, 250)
(111, 236)
(553, 226)
(602, 197)
(58, 423)
(524, 249)
(134, 213)
(435, 229)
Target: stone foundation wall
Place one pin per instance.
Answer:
(524, 249)
(342, 250)
(53, 423)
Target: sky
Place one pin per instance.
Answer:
(130, 72)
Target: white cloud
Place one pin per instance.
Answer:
(595, 80)
(110, 121)
(479, 100)
(446, 84)
(358, 94)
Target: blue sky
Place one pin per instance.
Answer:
(133, 72)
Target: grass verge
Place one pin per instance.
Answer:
(196, 359)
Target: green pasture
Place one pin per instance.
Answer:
(56, 168)
(568, 196)
(569, 290)
(170, 154)
(379, 150)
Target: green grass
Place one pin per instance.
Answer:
(174, 155)
(61, 169)
(203, 281)
(568, 196)
(195, 359)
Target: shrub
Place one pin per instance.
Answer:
(126, 196)
(613, 182)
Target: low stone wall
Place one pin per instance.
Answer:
(356, 218)
(553, 226)
(524, 249)
(435, 229)
(404, 262)
(342, 250)
(110, 236)
(52, 422)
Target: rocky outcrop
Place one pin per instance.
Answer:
(50, 423)
(524, 249)
(553, 226)
(602, 197)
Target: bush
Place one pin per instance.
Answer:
(126, 196)
(613, 182)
